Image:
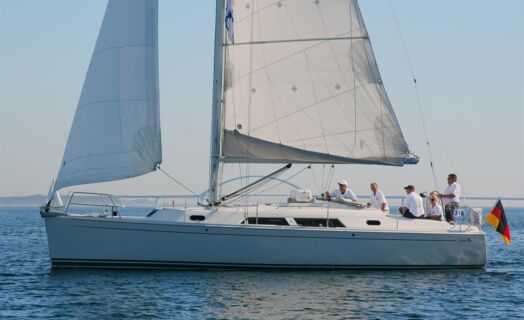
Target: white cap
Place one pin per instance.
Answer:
(343, 183)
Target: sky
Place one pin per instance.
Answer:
(467, 56)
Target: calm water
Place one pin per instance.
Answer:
(30, 289)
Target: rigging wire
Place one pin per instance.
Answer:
(283, 181)
(319, 187)
(178, 182)
(246, 192)
(417, 90)
(250, 98)
(329, 179)
(330, 176)
(324, 179)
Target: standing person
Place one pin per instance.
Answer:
(378, 199)
(412, 207)
(450, 197)
(343, 192)
(435, 211)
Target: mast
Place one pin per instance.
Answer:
(216, 116)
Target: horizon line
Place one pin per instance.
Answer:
(270, 195)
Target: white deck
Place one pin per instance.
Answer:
(351, 218)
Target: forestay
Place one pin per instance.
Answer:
(116, 128)
(301, 84)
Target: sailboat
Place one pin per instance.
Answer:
(294, 82)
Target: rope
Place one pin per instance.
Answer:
(178, 182)
(330, 176)
(319, 187)
(419, 100)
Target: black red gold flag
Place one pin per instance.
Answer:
(497, 218)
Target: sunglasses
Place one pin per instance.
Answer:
(432, 199)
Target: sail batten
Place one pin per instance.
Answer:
(116, 129)
(303, 76)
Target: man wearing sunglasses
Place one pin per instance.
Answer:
(435, 211)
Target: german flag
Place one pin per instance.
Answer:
(497, 219)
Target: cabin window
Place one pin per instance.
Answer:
(197, 218)
(268, 221)
(152, 212)
(373, 222)
(319, 222)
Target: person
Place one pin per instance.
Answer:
(450, 197)
(412, 207)
(343, 192)
(435, 212)
(378, 199)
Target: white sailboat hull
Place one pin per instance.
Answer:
(136, 243)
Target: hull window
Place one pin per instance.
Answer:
(197, 218)
(320, 222)
(269, 221)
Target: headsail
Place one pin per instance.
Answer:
(116, 129)
(301, 84)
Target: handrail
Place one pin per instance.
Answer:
(103, 197)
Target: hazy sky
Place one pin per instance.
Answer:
(468, 57)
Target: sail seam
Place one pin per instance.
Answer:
(334, 134)
(114, 100)
(309, 106)
(321, 42)
(121, 47)
(308, 64)
(95, 155)
(294, 40)
(343, 144)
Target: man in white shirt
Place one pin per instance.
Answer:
(343, 192)
(450, 197)
(378, 199)
(413, 207)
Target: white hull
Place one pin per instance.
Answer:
(90, 241)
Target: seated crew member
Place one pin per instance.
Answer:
(435, 212)
(378, 199)
(343, 192)
(412, 207)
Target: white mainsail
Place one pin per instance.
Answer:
(301, 84)
(116, 129)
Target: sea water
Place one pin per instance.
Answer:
(29, 288)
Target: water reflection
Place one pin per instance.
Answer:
(29, 287)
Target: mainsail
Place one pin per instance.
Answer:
(116, 129)
(301, 84)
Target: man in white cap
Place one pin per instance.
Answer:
(343, 192)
